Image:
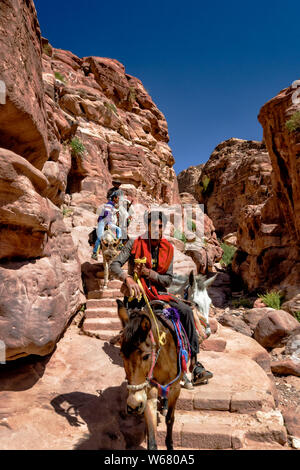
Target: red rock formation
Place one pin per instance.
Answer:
(39, 267)
(122, 130)
(236, 175)
(22, 118)
(269, 234)
(188, 179)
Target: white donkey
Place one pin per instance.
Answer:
(109, 246)
(194, 289)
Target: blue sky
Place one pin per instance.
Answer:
(209, 66)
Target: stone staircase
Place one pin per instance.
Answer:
(203, 421)
(101, 317)
(233, 411)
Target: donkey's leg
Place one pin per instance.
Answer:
(171, 417)
(150, 414)
(105, 264)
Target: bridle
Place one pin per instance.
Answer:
(154, 358)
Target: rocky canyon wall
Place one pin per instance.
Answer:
(68, 125)
(39, 266)
(251, 189)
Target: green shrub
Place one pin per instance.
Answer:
(66, 211)
(297, 315)
(111, 107)
(293, 123)
(179, 235)
(132, 95)
(60, 77)
(242, 302)
(77, 147)
(191, 225)
(272, 299)
(228, 254)
(47, 49)
(204, 184)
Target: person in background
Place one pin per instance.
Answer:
(115, 187)
(107, 218)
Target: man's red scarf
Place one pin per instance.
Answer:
(140, 249)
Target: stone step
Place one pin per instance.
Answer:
(104, 335)
(103, 312)
(110, 294)
(113, 284)
(214, 430)
(105, 294)
(99, 303)
(100, 324)
(224, 399)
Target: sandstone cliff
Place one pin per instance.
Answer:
(252, 189)
(237, 174)
(68, 125)
(122, 131)
(271, 255)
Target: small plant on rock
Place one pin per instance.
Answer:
(179, 235)
(66, 212)
(272, 299)
(242, 302)
(47, 49)
(228, 254)
(132, 95)
(111, 107)
(59, 77)
(204, 184)
(191, 225)
(77, 147)
(293, 124)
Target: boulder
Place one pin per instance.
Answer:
(236, 323)
(254, 315)
(274, 328)
(286, 367)
(292, 421)
(38, 297)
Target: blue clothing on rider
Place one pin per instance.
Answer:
(107, 218)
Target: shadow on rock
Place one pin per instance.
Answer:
(110, 428)
(22, 374)
(113, 353)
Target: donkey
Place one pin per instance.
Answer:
(146, 363)
(109, 246)
(194, 289)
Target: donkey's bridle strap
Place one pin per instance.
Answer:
(136, 388)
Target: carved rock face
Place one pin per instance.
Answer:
(23, 116)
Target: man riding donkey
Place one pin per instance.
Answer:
(107, 218)
(155, 275)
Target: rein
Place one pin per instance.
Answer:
(182, 355)
(161, 336)
(147, 383)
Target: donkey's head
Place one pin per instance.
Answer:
(137, 350)
(109, 245)
(197, 293)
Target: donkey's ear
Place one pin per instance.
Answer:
(122, 312)
(191, 278)
(209, 281)
(145, 324)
